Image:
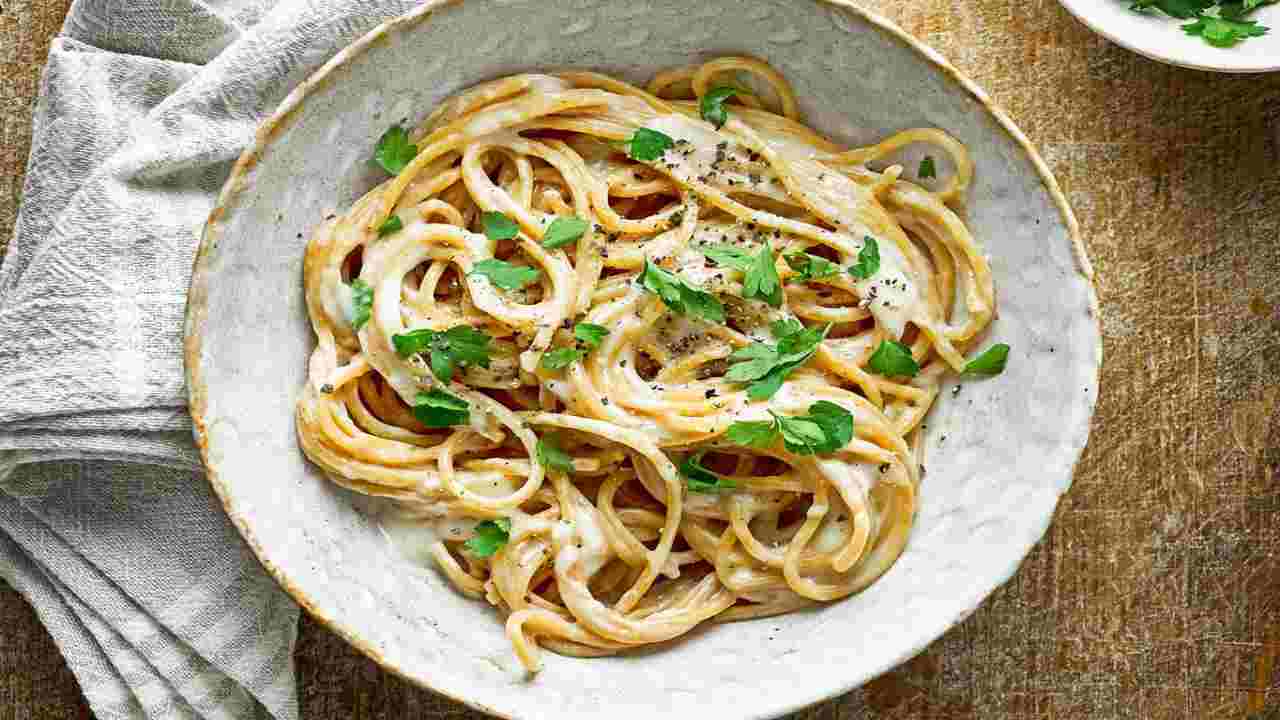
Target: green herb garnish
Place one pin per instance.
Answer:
(460, 345)
(990, 362)
(589, 337)
(868, 259)
(361, 303)
(551, 456)
(498, 226)
(390, 225)
(680, 297)
(647, 145)
(764, 367)
(1219, 23)
(712, 104)
(760, 273)
(1224, 32)
(927, 170)
(701, 480)
(505, 275)
(562, 231)
(394, 151)
(489, 538)
(810, 267)
(827, 428)
(437, 408)
(892, 358)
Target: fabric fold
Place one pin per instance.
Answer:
(107, 525)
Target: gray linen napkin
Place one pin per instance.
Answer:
(106, 523)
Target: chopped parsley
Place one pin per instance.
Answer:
(701, 480)
(589, 337)
(680, 297)
(551, 456)
(927, 170)
(489, 537)
(1220, 23)
(868, 259)
(810, 267)
(647, 145)
(506, 275)
(711, 107)
(760, 272)
(562, 231)
(394, 152)
(1224, 32)
(361, 303)
(827, 428)
(498, 226)
(391, 225)
(892, 358)
(437, 408)
(990, 362)
(764, 367)
(460, 345)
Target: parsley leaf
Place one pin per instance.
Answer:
(490, 536)
(1237, 9)
(648, 145)
(893, 358)
(437, 408)
(459, 345)
(927, 170)
(700, 479)
(590, 334)
(800, 435)
(394, 151)
(753, 433)
(990, 362)
(760, 274)
(1174, 8)
(505, 275)
(711, 106)
(836, 424)
(391, 225)
(827, 428)
(679, 296)
(551, 456)
(810, 267)
(562, 231)
(868, 259)
(765, 367)
(361, 302)
(1222, 32)
(589, 337)
(498, 226)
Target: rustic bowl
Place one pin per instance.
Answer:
(999, 454)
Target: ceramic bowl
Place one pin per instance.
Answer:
(1161, 38)
(999, 454)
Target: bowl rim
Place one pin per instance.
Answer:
(1080, 10)
(269, 130)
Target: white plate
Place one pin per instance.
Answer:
(999, 455)
(1161, 38)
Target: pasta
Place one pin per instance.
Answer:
(632, 360)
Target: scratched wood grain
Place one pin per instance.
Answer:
(1156, 593)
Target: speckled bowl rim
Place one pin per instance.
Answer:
(270, 129)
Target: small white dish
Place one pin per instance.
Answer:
(1161, 37)
(998, 456)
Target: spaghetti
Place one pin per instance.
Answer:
(631, 360)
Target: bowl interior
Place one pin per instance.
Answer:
(999, 453)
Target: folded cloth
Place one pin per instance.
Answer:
(106, 524)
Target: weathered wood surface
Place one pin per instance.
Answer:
(1156, 593)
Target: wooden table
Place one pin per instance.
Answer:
(1156, 593)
